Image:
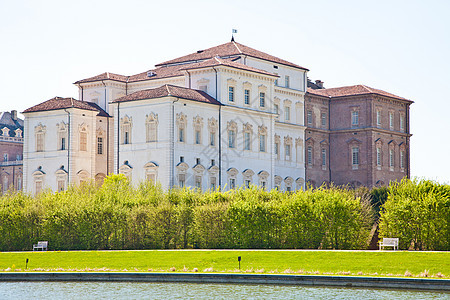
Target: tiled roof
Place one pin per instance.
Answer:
(158, 73)
(352, 91)
(62, 103)
(216, 61)
(169, 90)
(229, 49)
(104, 76)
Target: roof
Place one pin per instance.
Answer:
(63, 103)
(216, 61)
(226, 50)
(352, 91)
(104, 76)
(169, 90)
(6, 120)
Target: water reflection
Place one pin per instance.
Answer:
(128, 290)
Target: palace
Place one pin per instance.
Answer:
(226, 116)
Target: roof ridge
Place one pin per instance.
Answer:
(167, 88)
(234, 43)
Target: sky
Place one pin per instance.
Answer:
(402, 47)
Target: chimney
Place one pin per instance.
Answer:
(319, 83)
(14, 115)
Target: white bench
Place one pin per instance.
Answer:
(41, 246)
(389, 242)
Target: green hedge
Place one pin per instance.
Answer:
(418, 213)
(118, 216)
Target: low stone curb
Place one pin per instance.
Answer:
(313, 280)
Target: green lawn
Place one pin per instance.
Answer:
(388, 263)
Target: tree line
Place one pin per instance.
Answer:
(120, 216)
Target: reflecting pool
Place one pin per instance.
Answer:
(141, 290)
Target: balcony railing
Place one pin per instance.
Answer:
(11, 163)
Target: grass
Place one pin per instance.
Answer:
(368, 263)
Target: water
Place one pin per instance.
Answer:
(140, 290)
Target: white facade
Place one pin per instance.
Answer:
(257, 132)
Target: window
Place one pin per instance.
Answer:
(246, 140)
(181, 159)
(5, 157)
(213, 162)
(40, 142)
(232, 183)
(5, 184)
(323, 118)
(197, 137)
(212, 181)
(276, 109)
(181, 135)
(276, 80)
(99, 145)
(286, 81)
(402, 159)
(126, 130)
(262, 99)
(18, 157)
(262, 143)
(61, 184)
(391, 158)
(212, 128)
(247, 183)
(324, 157)
(309, 155)
(181, 180)
(63, 143)
(151, 124)
(231, 138)
(277, 150)
(197, 161)
(246, 97)
(402, 123)
(38, 186)
(262, 132)
(198, 182)
(198, 125)
(231, 93)
(378, 118)
(309, 117)
(355, 118)
(287, 151)
(212, 139)
(378, 156)
(181, 124)
(83, 141)
(355, 156)
(203, 88)
(232, 128)
(287, 113)
(391, 120)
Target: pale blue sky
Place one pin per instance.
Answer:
(402, 47)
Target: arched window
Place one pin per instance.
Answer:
(61, 179)
(127, 170)
(182, 168)
(232, 177)
(263, 176)
(248, 177)
(38, 178)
